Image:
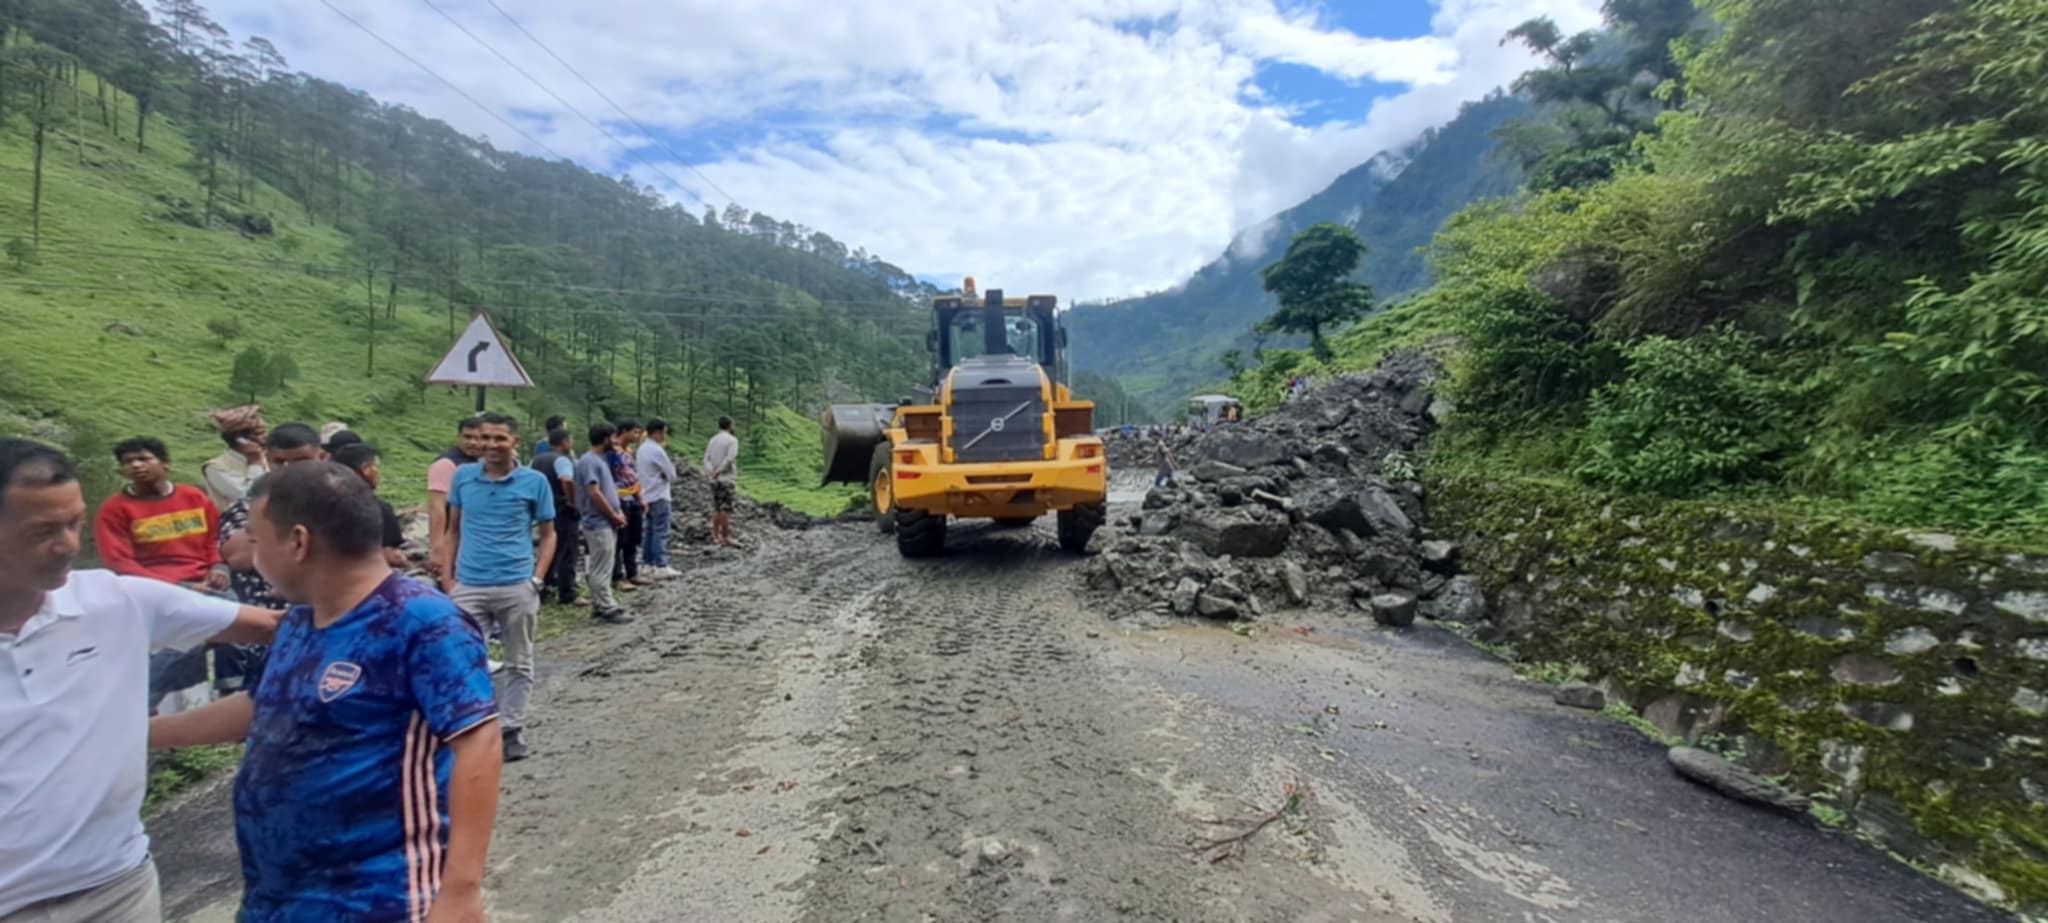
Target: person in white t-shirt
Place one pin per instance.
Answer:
(722, 467)
(657, 473)
(74, 671)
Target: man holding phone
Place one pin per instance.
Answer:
(227, 476)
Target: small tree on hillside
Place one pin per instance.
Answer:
(1233, 362)
(224, 329)
(258, 372)
(1310, 282)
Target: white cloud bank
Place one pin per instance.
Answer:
(1091, 148)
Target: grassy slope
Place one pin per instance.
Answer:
(69, 374)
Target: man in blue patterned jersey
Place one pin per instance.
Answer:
(370, 784)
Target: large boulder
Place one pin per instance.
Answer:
(1159, 498)
(1385, 513)
(1247, 483)
(1157, 522)
(1245, 448)
(1461, 600)
(1294, 581)
(1211, 471)
(1395, 609)
(1334, 504)
(1710, 770)
(1216, 606)
(1391, 564)
(1440, 556)
(1242, 532)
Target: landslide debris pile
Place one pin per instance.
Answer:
(1314, 502)
(1137, 453)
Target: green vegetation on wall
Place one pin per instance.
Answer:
(1896, 675)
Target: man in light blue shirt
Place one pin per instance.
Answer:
(493, 507)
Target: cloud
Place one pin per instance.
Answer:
(1087, 147)
(1419, 60)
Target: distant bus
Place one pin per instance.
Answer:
(1209, 409)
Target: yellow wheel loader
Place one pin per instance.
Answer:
(995, 435)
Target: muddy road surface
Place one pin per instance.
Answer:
(816, 730)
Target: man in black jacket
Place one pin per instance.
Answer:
(557, 461)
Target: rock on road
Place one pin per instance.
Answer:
(817, 730)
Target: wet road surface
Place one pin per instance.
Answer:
(816, 730)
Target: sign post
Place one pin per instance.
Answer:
(480, 359)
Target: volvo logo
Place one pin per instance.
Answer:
(996, 425)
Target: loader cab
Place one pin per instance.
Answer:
(969, 327)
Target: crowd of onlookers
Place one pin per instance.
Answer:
(363, 695)
(610, 508)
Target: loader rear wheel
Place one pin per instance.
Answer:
(1078, 525)
(920, 534)
(882, 483)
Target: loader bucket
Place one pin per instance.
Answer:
(851, 433)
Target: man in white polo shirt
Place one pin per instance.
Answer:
(74, 723)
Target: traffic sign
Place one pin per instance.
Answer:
(480, 357)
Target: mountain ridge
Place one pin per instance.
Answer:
(1170, 340)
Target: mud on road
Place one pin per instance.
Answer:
(816, 730)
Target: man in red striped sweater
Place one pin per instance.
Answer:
(154, 528)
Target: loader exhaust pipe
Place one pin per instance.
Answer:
(994, 341)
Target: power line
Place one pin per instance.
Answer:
(621, 110)
(493, 113)
(557, 97)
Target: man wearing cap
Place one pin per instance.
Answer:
(229, 474)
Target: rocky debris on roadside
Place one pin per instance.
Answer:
(1315, 501)
(1580, 695)
(1709, 769)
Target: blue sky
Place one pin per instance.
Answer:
(1093, 148)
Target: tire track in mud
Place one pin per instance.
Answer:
(628, 738)
(1001, 773)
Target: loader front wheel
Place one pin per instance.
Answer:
(920, 534)
(1078, 525)
(882, 483)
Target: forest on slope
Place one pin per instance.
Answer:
(1779, 250)
(1162, 344)
(189, 224)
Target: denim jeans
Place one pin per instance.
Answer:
(654, 545)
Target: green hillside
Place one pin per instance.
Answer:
(147, 256)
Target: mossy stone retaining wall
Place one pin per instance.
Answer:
(1903, 677)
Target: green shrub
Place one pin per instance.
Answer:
(1521, 356)
(1690, 415)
